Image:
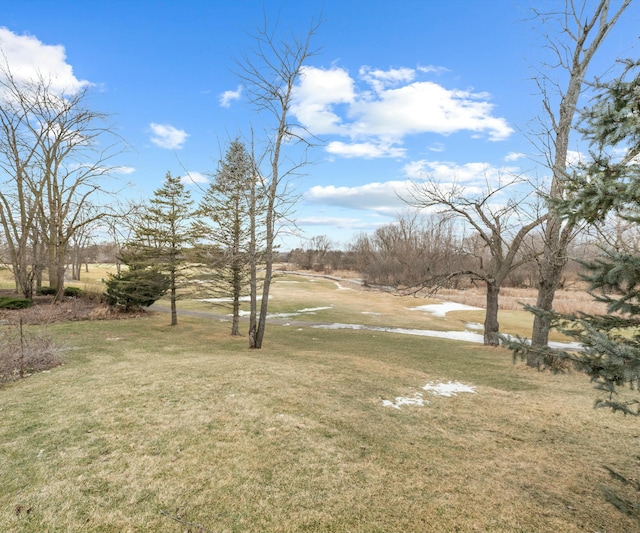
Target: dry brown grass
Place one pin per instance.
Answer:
(150, 428)
(513, 299)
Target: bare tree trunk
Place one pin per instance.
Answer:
(266, 284)
(587, 38)
(253, 257)
(237, 293)
(174, 310)
(491, 325)
(270, 79)
(235, 323)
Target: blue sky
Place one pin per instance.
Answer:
(397, 91)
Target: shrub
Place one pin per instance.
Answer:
(72, 291)
(15, 303)
(136, 288)
(46, 291)
(24, 354)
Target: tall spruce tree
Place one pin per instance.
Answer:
(607, 186)
(165, 233)
(226, 210)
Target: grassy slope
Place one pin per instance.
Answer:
(152, 428)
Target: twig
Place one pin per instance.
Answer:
(21, 350)
(201, 528)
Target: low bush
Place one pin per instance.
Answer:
(72, 291)
(45, 291)
(15, 303)
(25, 354)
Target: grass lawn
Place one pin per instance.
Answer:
(149, 428)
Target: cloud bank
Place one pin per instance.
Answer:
(377, 110)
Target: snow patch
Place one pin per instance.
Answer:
(451, 388)
(468, 336)
(417, 400)
(448, 389)
(443, 308)
(314, 309)
(307, 311)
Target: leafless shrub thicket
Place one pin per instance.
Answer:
(409, 251)
(24, 353)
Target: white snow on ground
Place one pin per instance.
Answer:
(448, 389)
(443, 308)
(402, 400)
(306, 311)
(454, 335)
(566, 345)
(468, 336)
(474, 325)
(314, 309)
(226, 299)
(451, 388)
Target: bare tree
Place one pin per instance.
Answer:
(270, 75)
(21, 191)
(313, 254)
(500, 224)
(409, 251)
(580, 34)
(52, 157)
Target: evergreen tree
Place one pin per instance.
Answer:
(608, 185)
(165, 233)
(138, 286)
(226, 225)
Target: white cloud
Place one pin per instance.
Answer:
(393, 104)
(194, 177)
(514, 156)
(124, 170)
(229, 96)
(368, 150)
(29, 59)
(381, 79)
(449, 172)
(575, 157)
(317, 95)
(336, 222)
(166, 136)
(382, 198)
(432, 68)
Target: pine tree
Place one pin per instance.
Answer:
(165, 234)
(140, 285)
(607, 186)
(226, 211)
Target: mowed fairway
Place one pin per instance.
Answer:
(149, 428)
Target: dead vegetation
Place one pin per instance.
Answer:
(570, 300)
(45, 311)
(25, 346)
(514, 299)
(25, 353)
